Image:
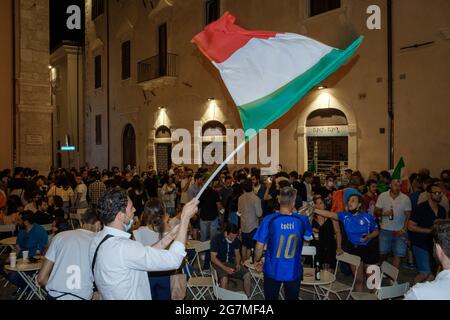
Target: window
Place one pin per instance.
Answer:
(98, 72)
(212, 9)
(98, 129)
(320, 6)
(98, 8)
(126, 60)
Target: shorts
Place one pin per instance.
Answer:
(389, 243)
(236, 275)
(247, 239)
(423, 259)
(369, 253)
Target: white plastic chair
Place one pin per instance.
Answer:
(386, 269)
(199, 286)
(338, 287)
(224, 294)
(392, 292)
(310, 251)
(8, 228)
(199, 248)
(4, 229)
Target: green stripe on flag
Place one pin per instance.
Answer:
(261, 113)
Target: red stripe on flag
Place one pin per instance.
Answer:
(220, 39)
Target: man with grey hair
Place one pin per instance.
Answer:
(283, 232)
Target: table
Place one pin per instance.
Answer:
(309, 279)
(22, 267)
(8, 242)
(257, 277)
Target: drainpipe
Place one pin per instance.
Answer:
(108, 84)
(390, 84)
(14, 115)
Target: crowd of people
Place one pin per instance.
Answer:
(134, 226)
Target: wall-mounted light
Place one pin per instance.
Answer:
(322, 87)
(211, 99)
(50, 67)
(162, 108)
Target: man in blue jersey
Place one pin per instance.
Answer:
(283, 233)
(361, 229)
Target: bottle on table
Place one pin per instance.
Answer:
(317, 271)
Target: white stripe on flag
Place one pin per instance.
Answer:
(263, 66)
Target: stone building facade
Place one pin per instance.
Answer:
(27, 117)
(134, 114)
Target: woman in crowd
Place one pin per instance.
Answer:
(327, 237)
(169, 195)
(138, 196)
(154, 226)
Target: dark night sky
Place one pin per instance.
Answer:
(58, 18)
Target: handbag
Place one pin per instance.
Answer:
(178, 285)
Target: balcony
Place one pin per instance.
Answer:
(158, 71)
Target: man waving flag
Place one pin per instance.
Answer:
(266, 72)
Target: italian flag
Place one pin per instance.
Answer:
(267, 73)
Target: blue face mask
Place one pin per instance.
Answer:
(128, 226)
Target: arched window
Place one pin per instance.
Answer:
(129, 146)
(213, 133)
(327, 137)
(163, 132)
(163, 149)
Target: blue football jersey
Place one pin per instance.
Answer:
(357, 226)
(284, 235)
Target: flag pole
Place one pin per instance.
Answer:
(211, 178)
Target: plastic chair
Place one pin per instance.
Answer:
(386, 269)
(338, 287)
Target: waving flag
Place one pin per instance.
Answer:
(267, 73)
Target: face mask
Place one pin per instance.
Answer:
(128, 226)
(229, 241)
(436, 198)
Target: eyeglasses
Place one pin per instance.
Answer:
(437, 193)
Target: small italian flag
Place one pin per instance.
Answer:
(267, 73)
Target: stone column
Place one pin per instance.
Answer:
(33, 104)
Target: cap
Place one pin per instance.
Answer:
(351, 192)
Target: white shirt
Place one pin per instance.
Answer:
(146, 236)
(122, 264)
(439, 289)
(69, 249)
(399, 205)
(308, 191)
(82, 190)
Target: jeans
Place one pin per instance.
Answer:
(160, 287)
(272, 288)
(208, 227)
